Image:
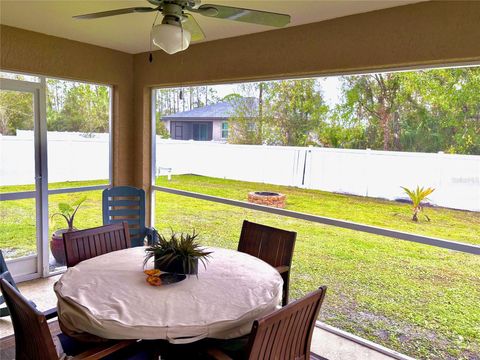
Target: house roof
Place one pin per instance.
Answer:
(219, 111)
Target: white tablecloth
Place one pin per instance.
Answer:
(108, 296)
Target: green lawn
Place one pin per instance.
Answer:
(419, 300)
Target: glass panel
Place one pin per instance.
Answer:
(89, 215)
(78, 133)
(17, 228)
(445, 223)
(17, 150)
(417, 299)
(352, 147)
(15, 76)
(17, 173)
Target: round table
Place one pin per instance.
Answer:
(108, 296)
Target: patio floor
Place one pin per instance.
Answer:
(325, 344)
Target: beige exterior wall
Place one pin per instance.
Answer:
(424, 34)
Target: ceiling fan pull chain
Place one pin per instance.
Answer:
(150, 56)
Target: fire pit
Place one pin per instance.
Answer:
(267, 198)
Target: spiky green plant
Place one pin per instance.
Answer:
(179, 247)
(417, 196)
(68, 211)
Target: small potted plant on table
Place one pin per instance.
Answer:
(68, 212)
(179, 254)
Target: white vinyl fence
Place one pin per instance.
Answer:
(380, 174)
(72, 157)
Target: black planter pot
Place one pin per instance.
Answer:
(176, 267)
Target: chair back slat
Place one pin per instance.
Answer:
(287, 333)
(32, 335)
(126, 203)
(85, 244)
(272, 245)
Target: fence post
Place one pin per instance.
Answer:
(368, 161)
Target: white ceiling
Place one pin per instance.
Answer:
(130, 33)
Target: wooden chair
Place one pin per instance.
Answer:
(33, 339)
(285, 334)
(126, 203)
(272, 245)
(85, 244)
(49, 314)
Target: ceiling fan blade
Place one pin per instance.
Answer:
(192, 26)
(114, 12)
(243, 15)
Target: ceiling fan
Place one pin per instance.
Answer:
(179, 28)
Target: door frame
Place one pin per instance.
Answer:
(34, 266)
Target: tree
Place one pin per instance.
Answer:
(16, 112)
(428, 110)
(245, 125)
(294, 110)
(172, 100)
(160, 128)
(286, 112)
(375, 99)
(443, 111)
(77, 107)
(341, 130)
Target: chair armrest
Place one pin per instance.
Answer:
(217, 354)
(50, 313)
(103, 350)
(282, 269)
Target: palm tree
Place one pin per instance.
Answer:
(417, 196)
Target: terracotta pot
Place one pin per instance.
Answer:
(176, 267)
(57, 247)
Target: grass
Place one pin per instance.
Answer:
(419, 300)
(446, 223)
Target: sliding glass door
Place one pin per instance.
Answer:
(55, 152)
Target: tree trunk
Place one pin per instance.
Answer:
(260, 114)
(385, 123)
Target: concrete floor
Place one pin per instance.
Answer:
(324, 343)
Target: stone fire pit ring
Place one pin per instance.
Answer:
(267, 198)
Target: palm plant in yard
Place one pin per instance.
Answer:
(417, 196)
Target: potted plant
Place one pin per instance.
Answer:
(178, 254)
(417, 196)
(68, 212)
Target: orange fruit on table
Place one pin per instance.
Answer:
(154, 280)
(153, 272)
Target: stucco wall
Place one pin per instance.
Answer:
(423, 34)
(31, 52)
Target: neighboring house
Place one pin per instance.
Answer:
(203, 124)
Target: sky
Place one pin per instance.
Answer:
(331, 88)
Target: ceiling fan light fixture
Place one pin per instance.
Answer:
(170, 38)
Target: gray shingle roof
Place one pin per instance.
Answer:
(219, 111)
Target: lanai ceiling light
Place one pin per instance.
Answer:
(179, 27)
